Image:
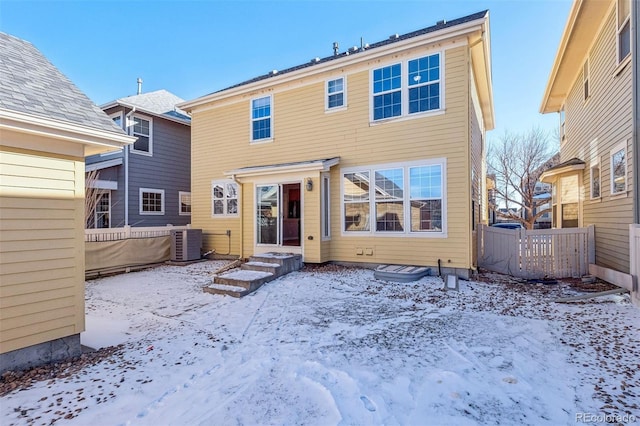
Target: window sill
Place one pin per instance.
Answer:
(146, 154)
(261, 141)
(622, 65)
(619, 195)
(406, 117)
(434, 234)
(225, 216)
(595, 200)
(336, 109)
(151, 213)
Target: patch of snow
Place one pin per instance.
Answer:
(339, 347)
(227, 287)
(265, 264)
(246, 275)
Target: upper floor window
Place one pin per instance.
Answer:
(595, 181)
(261, 119)
(142, 128)
(624, 28)
(407, 88)
(151, 201)
(387, 98)
(184, 199)
(336, 93)
(619, 169)
(117, 118)
(224, 198)
(585, 79)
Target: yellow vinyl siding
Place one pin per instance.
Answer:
(41, 248)
(303, 131)
(606, 118)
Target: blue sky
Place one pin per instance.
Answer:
(192, 48)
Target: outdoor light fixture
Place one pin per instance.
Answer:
(309, 184)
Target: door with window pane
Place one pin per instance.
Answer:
(268, 214)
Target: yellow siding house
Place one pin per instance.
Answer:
(371, 155)
(47, 127)
(591, 86)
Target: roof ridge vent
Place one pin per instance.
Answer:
(273, 72)
(394, 36)
(315, 60)
(441, 22)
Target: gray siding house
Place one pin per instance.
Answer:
(149, 182)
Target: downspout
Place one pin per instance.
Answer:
(126, 168)
(635, 88)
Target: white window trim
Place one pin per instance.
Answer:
(619, 28)
(120, 115)
(621, 146)
(562, 117)
(344, 95)
(406, 199)
(404, 89)
(131, 132)
(325, 221)
(595, 164)
(225, 198)
(251, 120)
(96, 212)
(154, 191)
(180, 195)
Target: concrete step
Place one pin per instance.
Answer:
(273, 268)
(229, 290)
(289, 262)
(249, 280)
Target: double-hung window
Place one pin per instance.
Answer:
(261, 119)
(387, 92)
(224, 198)
(184, 199)
(424, 84)
(619, 169)
(396, 198)
(151, 201)
(336, 94)
(142, 128)
(595, 181)
(623, 12)
(407, 88)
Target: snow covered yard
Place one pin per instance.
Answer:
(333, 345)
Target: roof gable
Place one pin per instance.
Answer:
(32, 85)
(160, 103)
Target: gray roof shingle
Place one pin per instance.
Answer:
(30, 84)
(160, 102)
(439, 26)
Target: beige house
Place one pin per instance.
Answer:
(372, 155)
(47, 127)
(591, 87)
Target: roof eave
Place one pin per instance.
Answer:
(550, 175)
(99, 140)
(435, 36)
(118, 102)
(585, 18)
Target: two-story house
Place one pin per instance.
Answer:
(149, 182)
(593, 88)
(372, 155)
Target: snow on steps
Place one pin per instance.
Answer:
(259, 270)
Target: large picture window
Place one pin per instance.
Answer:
(407, 88)
(224, 198)
(261, 119)
(404, 199)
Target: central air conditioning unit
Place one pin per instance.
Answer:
(186, 244)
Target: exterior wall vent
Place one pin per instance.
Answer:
(186, 245)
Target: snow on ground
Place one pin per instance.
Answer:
(336, 346)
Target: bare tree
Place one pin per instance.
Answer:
(91, 198)
(517, 161)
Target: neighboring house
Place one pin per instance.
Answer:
(542, 193)
(149, 182)
(591, 87)
(374, 155)
(47, 127)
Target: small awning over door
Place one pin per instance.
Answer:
(322, 165)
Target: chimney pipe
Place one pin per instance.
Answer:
(139, 85)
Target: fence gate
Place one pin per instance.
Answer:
(538, 253)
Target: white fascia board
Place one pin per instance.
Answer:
(104, 184)
(46, 127)
(145, 111)
(343, 61)
(319, 166)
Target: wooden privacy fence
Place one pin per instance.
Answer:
(538, 253)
